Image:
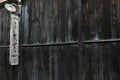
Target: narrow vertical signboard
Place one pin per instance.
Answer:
(14, 40)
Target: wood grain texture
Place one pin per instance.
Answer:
(49, 21)
(58, 21)
(50, 63)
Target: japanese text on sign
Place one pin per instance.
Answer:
(14, 40)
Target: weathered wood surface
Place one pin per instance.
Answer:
(49, 21)
(101, 19)
(56, 21)
(4, 27)
(50, 63)
(53, 21)
(100, 62)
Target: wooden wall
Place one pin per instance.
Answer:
(58, 22)
(49, 22)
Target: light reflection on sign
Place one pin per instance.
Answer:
(14, 40)
(1, 1)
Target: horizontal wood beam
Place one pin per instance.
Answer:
(45, 44)
(100, 41)
(66, 43)
(49, 44)
(4, 46)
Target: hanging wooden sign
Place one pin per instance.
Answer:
(14, 40)
(1, 1)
